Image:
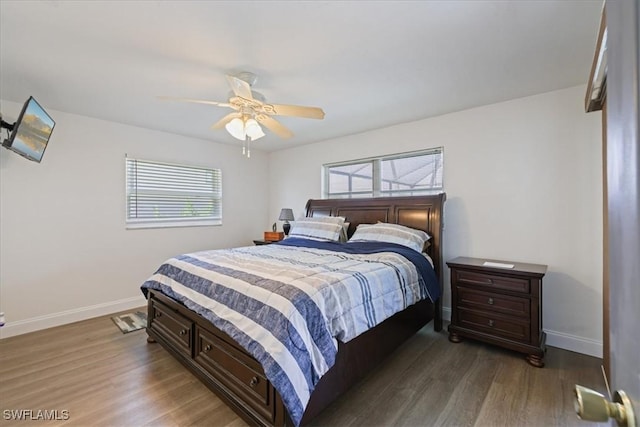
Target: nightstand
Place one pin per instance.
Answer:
(497, 305)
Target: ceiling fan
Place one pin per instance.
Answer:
(251, 110)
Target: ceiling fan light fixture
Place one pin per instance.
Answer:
(253, 129)
(240, 129)
(236, 128)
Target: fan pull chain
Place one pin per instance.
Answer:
(246, 146)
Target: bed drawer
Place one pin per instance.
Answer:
(494, 302)
(172, 326)
(241, 374)
(511, 328)
(474, 278)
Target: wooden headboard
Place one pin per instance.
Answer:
(421, 212)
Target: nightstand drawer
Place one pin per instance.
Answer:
(514, 284)
(493, 302)
(510, 328)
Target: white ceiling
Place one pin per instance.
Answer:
(368, 64)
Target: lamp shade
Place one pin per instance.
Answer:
(236, 128)
(286, 214)
(253, 129)
(241, 128)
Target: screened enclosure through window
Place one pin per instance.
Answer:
(413, 173)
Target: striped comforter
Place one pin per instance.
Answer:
(287, 304)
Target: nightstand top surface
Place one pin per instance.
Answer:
(478, 263)
(259, 242)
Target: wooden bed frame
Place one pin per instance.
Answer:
(238, 378)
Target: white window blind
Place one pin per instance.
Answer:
(169, 195)
(413, 173)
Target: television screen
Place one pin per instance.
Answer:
(31, 132)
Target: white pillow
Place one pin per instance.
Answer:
(391, 233)
(327, 228)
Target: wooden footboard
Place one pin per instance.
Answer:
(238, 378)
(215, 359)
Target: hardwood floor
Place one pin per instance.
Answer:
(105, 378)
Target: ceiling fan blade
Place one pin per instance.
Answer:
(226, 119)
(240, 87)
(197, 101)
(274, 126)
(294, 110)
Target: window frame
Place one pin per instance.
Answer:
(376, 162)
(188, 221)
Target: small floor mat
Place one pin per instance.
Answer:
(131, 321)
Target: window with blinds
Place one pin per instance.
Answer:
(413, 173)
(169, 195)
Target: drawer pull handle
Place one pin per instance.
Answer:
(490, 301)
(254, 382)
(183, 332)
(207, 348)
(158, 314)
(477, 282)
(491, 323)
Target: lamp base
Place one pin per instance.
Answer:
(286, 227)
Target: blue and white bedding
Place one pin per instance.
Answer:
(287, 304)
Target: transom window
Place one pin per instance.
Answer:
(170, 195)
(413, 173)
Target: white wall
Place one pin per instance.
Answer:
(65, 254)
(524, 182)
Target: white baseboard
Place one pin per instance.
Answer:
(569, 342)
(20, 327)
(446, 314)
(574, 343)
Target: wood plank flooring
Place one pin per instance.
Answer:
(105, 378)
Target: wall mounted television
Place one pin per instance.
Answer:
(30, 134)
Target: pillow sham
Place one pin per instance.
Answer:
(391, 233)
(328, 228)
